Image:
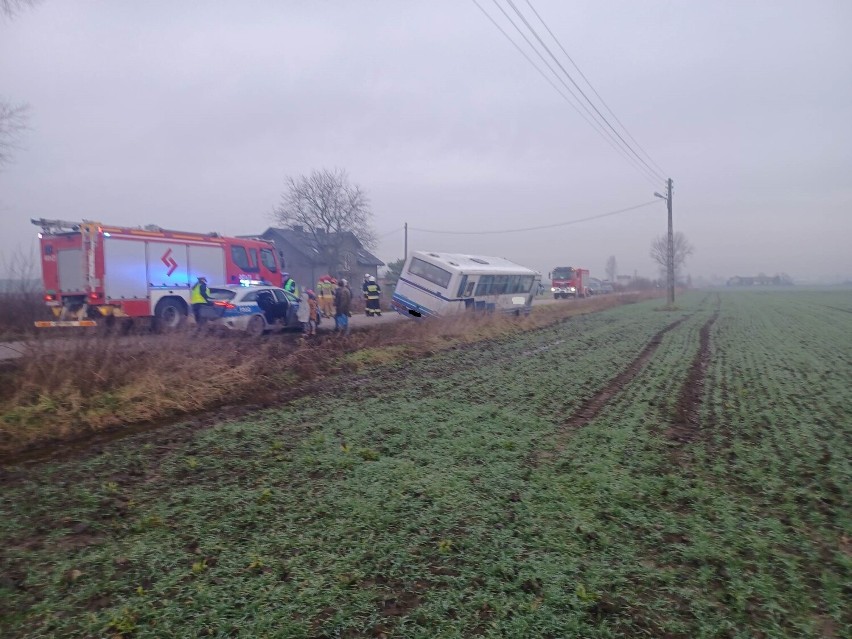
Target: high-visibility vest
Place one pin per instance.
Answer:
(195, 296)
(290, 287)
(373, 291)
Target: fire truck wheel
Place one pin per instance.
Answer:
(256, 326)
(170, 313)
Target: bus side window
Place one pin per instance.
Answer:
(499, 286)
(484, 286)
(469, 290)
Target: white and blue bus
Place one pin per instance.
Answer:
(435, 284)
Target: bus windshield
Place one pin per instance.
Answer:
(429, 272)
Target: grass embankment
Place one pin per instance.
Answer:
(453, 496)
(67, 388)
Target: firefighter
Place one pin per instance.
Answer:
(372, 292)
(199, 297)
(290, 284)
(325, 295)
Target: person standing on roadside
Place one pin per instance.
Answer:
(372, 292)
(199, 297)
(325, 294)
(290, 285)
(313, 314)
(303, 313)
(342, 307)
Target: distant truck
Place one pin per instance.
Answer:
(567, 281)
(93, 272)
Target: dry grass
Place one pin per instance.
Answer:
(65, 389)
(18, 310)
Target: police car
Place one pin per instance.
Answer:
(255, 309)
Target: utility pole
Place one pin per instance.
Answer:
(405, 255)
(670, 276)
(670, 265)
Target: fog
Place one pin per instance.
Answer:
(190, 115)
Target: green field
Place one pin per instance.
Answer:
(630, 473)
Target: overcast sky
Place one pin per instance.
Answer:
(190, 115)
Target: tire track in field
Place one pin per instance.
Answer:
(595, 404)
(687, 421)
(837, 308)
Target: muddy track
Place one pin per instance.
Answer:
(593, 406)
(686, 424)
(837, 308)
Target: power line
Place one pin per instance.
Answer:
(654, 179)
(577, 86)
(603, 102)
(537, 228)
(610, 136)
(592, 123)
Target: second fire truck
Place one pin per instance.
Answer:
(567, 281)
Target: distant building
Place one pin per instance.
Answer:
(761, 280)
(306, 260)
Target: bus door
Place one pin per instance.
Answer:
(467, 285)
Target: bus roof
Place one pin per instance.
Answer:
(473, 263)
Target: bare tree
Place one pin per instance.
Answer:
(11, 8)
(20, 292)
(13, 121)
(327, 207)
(660, 252)
(611, 268)
(13, 118)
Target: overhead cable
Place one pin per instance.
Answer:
(638, 163)
(592, 123)
(590, 119)
(603, 102)
(577, 86)
(537, 228)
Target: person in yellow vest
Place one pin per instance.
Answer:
(290, 285)
(325, 295)
(199, 297)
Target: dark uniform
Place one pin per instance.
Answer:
(372, 292)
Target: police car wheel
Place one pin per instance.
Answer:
(256, 326)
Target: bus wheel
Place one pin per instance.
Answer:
(170, 313)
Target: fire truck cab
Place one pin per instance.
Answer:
(93, 271)
(567, 281)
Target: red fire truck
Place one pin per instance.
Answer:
(93, 271)
(567, 281)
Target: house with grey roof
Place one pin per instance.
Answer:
(308, 256)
